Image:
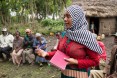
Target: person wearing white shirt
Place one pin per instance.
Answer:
(6, 44)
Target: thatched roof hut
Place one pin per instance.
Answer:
(98, 8)
(102, 12)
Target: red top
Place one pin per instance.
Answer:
(103, 55)
(86, 57)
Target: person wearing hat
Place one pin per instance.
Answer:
(6, 44)
(28, 47)
(40, 42)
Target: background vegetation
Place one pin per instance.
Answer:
(34, 14)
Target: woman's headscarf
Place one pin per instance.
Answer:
(78, 31)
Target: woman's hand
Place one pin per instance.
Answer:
(71, 60)
(41, 53)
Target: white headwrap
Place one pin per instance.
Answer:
(38, 35)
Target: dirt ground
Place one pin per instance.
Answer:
(8, 70)
(109, 42)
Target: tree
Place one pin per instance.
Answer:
(41, 8)
(51, 7)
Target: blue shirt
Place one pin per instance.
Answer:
(40, 45)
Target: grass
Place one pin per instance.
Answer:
(8, 70)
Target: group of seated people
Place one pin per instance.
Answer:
(21, 49)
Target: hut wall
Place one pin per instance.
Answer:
(107, 26)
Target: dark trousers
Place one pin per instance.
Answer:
(6, 51)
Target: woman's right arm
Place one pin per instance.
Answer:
(50, 55)
(47, 55)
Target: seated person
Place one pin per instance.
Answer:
(103, 55)
(58, 36)
(40, 42)
(17, 48)
(109, 70)
(28, 47)
(6, 44)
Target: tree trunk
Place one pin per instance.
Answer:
(2, 20)
(54, 10)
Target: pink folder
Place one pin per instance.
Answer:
(58, 60)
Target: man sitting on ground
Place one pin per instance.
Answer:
(28, 47)
(6, 44)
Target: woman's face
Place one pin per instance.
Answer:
(67, 20)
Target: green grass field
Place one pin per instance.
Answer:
(8, 70)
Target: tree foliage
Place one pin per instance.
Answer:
(23, 8)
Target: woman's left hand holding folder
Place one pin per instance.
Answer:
(71, 60)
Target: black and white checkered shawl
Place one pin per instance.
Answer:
(78, 31)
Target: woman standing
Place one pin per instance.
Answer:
(78, 43)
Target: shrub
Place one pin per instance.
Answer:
(50, 22)
(45, 27)
(46, 22)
